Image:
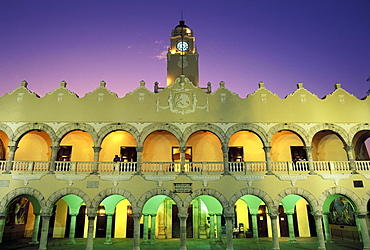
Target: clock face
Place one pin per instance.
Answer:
(182, 46)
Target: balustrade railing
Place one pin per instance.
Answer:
(331, 166)
(31, 166)
(3, 165)
(247, 166)
(189, 167)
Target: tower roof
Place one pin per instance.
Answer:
(182, 29)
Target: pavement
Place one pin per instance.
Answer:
(192, 244)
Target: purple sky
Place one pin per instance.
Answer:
(242, 43)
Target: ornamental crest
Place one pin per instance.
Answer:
(182, 100)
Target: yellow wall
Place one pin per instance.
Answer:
(34, 146)
(242, 214)
(302, 218)
(112, 143)
(280, 145)
(121, 219)
(60, 219)
(252, 145)
(328, 147)
(158, 147)
(206, 147)
(82, 145)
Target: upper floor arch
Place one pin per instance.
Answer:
(205, 127)
(107, 129)
(7, 130)
(298, 130)
(342, 134)
(24, 129)
(259, 131)
(64, 130)
(158, 127)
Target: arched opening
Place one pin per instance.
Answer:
(361, 144)
(22, 220)
(246, 152)
(76, 146)
(4, 143)
(328, 146)
(118, 148)
(158, 152)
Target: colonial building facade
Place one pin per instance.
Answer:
(184, 162)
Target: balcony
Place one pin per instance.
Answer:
(74, 167)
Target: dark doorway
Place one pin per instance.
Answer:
(80, 222)
(64, 153)
(130, 223)
(101, 223)
(262, 221)
(311, 222)
(283, 221)
(176, 222)
(298, 153)
(236, 154)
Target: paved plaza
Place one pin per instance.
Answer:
(192, 244)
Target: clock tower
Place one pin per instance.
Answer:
(182, 56)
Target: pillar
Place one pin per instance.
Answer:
(44, 231)
(96, 159)
(309, 159)
(11, 154)
(349, 150)
(152, 229)
(291, 228)
(108, 231)
(364, 232)
(36, 226)
(182, 160)
(183, 217)
(53, 157)
(212, 229)
(2, 225)
(325, 221)
(225, 150)
(145, 229)
(90, 232)
(320, 234)
(218, 227)
(229, 231)
(255, 228)
(136, 217)
(268, 160)
(139, 152)
(72, 229)
(275, 235)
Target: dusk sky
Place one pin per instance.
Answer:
(242, 43)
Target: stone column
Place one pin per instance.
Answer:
(218, 227)
(152, 229)
(229, 231)
(364, 232)
(320, 234)
(145, 230)
(90, 232)
(212, 229)
(53, 157)
(11, 155)
(309, 159)
(108, 231)
(183, 217)
(268, 160)
(139, 153)
(44, 231)
(326, 228)
(349, 150)
(225, 150)
(136, 217)
(255, 228)
(96, 159)
(36, 226)
(72, 229)
(2, 225)
(291, 228)
(182, 159)
(275, 235)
